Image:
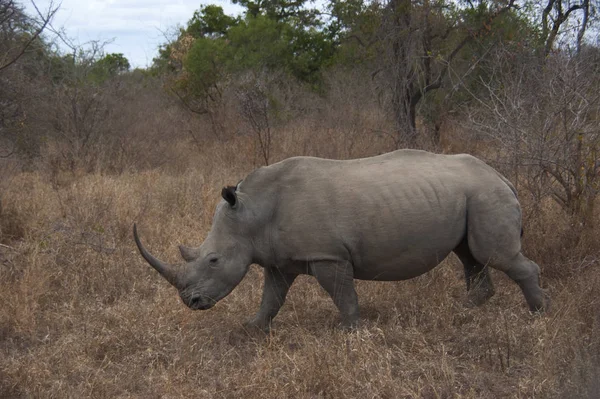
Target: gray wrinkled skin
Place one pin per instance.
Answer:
(390, 217)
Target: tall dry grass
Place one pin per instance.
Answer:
(82, 315)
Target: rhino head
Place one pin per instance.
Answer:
(209, 273)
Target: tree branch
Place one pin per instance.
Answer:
(466, 40)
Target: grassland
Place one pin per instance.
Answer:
(82, 315)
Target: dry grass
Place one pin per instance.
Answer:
(82, 315)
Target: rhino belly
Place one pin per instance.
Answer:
(407, 253)
(403, 266)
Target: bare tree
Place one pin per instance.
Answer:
(255, 109)
(19, 35)
(420, 43)
(76, 109)
(19, 31)
(558, 14)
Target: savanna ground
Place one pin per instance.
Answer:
(83, 315)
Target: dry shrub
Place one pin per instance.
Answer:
(130, 124)
(553, 238)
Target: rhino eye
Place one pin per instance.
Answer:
(213, 261)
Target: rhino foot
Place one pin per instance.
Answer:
(349, 326)
(478, 296)
(253, 326)
(545, 308)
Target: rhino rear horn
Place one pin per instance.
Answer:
(188, 254)
(163, 268)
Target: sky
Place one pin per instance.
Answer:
(135, 27)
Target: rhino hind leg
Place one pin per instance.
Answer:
(526, 274)
(479, 283)
(494, 239)
(337, 278)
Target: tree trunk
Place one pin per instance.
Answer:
(405, 108)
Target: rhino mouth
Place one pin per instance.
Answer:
(200, 303)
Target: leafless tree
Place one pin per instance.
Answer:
(255, 109)
(19, 35)
(558, 14)
(420, 43)
(18, 31)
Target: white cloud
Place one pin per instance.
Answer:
(135, 26)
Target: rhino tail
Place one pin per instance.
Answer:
(508, 183)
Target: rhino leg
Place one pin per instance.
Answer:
(526, 274)
(337, 278)
(479, 283)
(276, 287)
(494, 239)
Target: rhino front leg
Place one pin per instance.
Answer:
(277, 285)
(337, 278)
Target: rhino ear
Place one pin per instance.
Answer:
(229, 195)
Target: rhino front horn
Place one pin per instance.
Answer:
(164, 269)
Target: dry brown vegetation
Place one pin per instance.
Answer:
(82, 315)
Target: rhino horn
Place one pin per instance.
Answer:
(163, 268)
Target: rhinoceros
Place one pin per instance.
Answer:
(389, 217)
